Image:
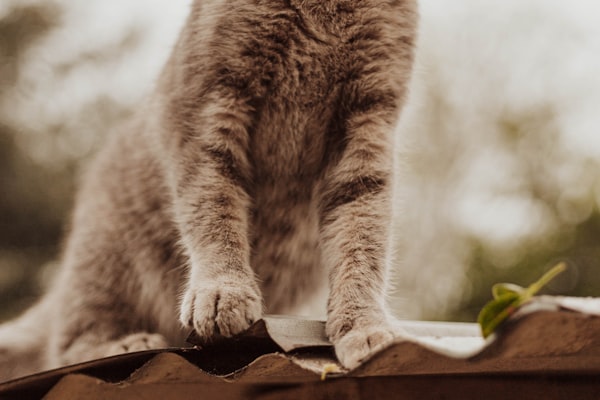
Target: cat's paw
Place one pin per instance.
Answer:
(360, 344)
(220, 309)
(89, 347)
(135, 342)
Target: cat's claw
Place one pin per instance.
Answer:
(220, 309)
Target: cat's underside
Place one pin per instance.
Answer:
(256, 177)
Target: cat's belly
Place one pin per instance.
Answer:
(287, 157)
(285, 251)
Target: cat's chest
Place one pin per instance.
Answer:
(294, 74)
(290, 136)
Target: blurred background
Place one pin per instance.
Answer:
(498, 146)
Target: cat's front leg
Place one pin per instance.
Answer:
(211, 204)
(354, 242)
(355, 228)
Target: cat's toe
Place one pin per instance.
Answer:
(142, 341)
(134, 342)
(359, 345)
(224, 310)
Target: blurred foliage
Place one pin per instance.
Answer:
(579, 248)
(33, 200)
(40, 155)
(19, 29)
(61, 92)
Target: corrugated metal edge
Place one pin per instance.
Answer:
(546, 340)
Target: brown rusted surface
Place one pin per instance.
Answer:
(552, 352)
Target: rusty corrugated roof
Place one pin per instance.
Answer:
(550, 350)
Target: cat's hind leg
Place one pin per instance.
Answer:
(99, 316)
(90, 347)
(99, 329)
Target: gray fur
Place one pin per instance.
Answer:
(259, 169)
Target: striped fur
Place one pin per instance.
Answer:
(257, 171)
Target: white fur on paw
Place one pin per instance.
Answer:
(358, 345)
(225, 310)
(137, 342)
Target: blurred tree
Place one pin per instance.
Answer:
(21, 25)
(33, 200)
(63, 87)
(500, 154)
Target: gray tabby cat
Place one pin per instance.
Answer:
(258, 170)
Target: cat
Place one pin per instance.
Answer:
(255, 177)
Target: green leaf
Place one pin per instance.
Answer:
(547, 277)
(508, 298)
(496, 311)
(500, 289)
